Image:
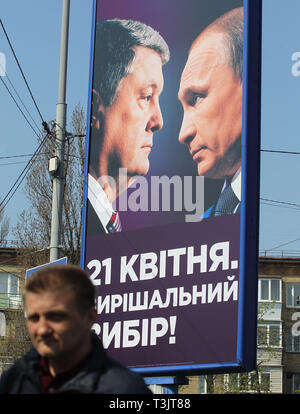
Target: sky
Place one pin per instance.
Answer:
(34, 29)
(279, 226)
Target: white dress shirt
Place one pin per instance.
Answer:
(99, 201)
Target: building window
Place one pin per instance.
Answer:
(293, 295)
(9, 291)
(269, 290)
(292, 342)
(269, 334)
(255, 381)
(296, 383)
(202, 385)
(265, 379)
(9, 284)
(2, 325)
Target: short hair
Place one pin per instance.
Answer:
(115, 50)
(58, 277)
(231, 24)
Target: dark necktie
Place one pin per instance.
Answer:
(227, 202)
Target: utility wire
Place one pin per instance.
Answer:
(19, 156)
(12, 49)
(281, 245)
(281, 152)
(20, 99)
(281, 202)
(18, 106)
(20, 179)
(44, 123)
(23, 162)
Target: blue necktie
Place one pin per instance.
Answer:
(227, 202)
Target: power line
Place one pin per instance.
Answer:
(281, 202)
(281, 206)
(18, 106)
(12, 49)
(29, 155)
(18, 95)
(23, 162)
(281, 152)
(21, 177)
(73, 136)
(19, 156)
(281, 245)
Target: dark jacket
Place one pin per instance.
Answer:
(100, 374)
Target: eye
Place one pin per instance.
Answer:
(33, 318)
(196, 98)
(57, 316)
(147, 98)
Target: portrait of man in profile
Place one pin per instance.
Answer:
(211, 91)
(127, 84)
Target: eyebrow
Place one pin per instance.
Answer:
(152, 85)
(47, 314)
(192, 89)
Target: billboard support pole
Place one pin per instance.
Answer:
(60, 132)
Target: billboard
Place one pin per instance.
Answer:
(171, 183)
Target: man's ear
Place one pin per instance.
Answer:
(92, 316)
(97, 108)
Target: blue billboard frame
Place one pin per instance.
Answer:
(248, 281)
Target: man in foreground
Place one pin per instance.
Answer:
(66, 356)
(211, 91)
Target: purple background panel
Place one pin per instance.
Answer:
(205, 332)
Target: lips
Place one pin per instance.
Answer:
(147, 147)
(197, 152)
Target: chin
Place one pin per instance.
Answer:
(212, 170)
(46, 351)
(139, 170)
(206, 172)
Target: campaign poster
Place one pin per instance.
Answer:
(168, 236)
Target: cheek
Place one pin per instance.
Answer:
(233, 112)
(208, 123)
(220, 122)
(30, 330)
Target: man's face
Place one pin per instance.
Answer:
(56, 327)
(212, 102)
(134, 116)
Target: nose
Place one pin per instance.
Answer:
(188, 129)
(155, 122)
(43, 327)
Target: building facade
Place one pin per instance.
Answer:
(13, 337)
(278, 336)
(287, 270)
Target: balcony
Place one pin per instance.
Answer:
(9, 301)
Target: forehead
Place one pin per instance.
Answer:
(207, 55)
(40, 301)
(145, 69)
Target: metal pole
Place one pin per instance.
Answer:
(61, 111)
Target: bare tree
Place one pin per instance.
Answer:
(34, 225)
(4, 227)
